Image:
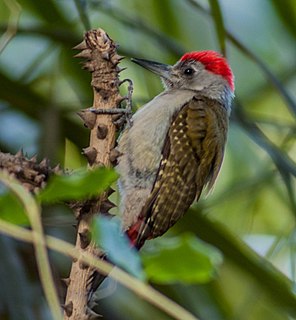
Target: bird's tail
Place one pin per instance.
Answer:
(138, 234)
(96, 279)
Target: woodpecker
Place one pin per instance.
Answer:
(175, 147)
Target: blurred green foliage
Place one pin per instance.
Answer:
(182, 259)
(12, 210)
(42, 86)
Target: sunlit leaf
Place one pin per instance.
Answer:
(11, 209)
(78, 185)
(182, 259)
(73, 157)
(108, 235)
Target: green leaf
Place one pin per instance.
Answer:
(182, 259)
(78, 185)
(108, 235)
(73, 157)
(11, 209)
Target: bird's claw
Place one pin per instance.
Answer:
(120, 116)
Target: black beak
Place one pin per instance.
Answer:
(162, 70)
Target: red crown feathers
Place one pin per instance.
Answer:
(213, 62)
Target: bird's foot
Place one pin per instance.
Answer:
(120, 116)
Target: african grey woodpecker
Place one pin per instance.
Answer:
(175, 147)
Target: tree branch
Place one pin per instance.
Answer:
(30, 173)
(101, 60)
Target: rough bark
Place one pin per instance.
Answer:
(32, 174)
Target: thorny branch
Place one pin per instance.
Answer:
(102, 61)
(29, 172)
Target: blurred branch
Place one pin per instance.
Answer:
(12, 25)
(25, 296)
(81, 6)
(284, 164)
(250, 185)
(49, 12)
(219, 24)
(268, 73)
(139, 25)
(281, 160)
(33, 211)
(56, 33)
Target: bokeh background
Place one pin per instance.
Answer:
(42, 87)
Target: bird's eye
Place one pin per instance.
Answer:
(188, 71)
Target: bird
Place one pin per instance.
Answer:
(175, 146)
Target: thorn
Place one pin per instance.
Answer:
(20, 153)
(85, 54)
(116, 117)
(39, 178)
(116, 58)
(36, 190)
(34, 158)
(57, 169)
(88, 65)
(94, 304)
(106, 206)
(110, 191)
(118, 69)
(93, 315)
(102, 131)
(89, 118)
(44, 163)
(84, 236)
(85, 209)
(91, 154)
(83, 265)
(81, 46)
(113, 155)
(18, 169)
(104, 93)
(105, 55)
(68, 308)
(66, 281)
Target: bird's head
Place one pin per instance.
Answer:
(204, 71)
